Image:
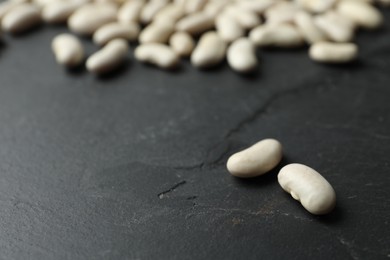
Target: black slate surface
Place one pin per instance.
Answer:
(132, 166)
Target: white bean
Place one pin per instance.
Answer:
(21, 18)
(68, 50)
(130, 11)
(170, 12)
(193, 6)
(363, 14)
(281, 12)
(209, 52)
(282, 35)
(109, 57)
(151, 9)
(195, 23)
(87, 19)
(256, 160)
(241, 56)
(316, 6)
(59, 11)
(258, 6)
(112, 31)
(308, 28)
(5, 7)
(246, 18)
(228, 27)
(157, 31)
(337, 27)
(182, 43)
(328, 52)
(157, 54)
(308, 187)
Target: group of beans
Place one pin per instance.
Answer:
(302, 182)
(206, 31)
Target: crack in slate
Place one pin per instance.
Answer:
(249, 119)
(174, 187)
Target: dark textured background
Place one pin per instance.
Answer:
(132, 166)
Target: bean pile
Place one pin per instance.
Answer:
(206, 31)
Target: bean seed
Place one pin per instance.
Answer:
(328, 52)
(256, 160)
(109, 58)
(363, 14)
(157, 54)
(228, 27)
(112, 31)
(195, 23)
(182, 43)
(157, 31)
(68, 50)
(241, 56)
(282, 35)
(209, 52)
(308, 187)
(21, 18)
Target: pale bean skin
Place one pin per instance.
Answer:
(87, 19)
(282, 36)
(130, 11)
(182, 43)
(228, 27)
(241, 56)
(209, 52)
(308, 187)
(21, 18)
(170, 12)
(5, 7)
(246, 18)
(195, 23)
(59, 11)
(68, 50)
(157, 54)
(258, 6)
(116, 30)
(151, 9)
(338, 28)
(362, 14)
(194, 6)
(316, 6)
(328, 52)
(256, 160)
(109, 58)
(158, 32)
(308, 28)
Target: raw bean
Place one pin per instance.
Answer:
(282, 12)
(258, 6)
(182, 43)
(194, 6)
(337, 27)
(87, 19)
(363, 14)
(109, 58)
(209, 52)
(151, 9)
(195, 23)
(5, 7)
(316, 6)
(68, 50)
(333, 52)
(241, 56)
(112, 31)
(59, 11)
(21, 18)
(246, 18)
(130, 11)
(228, 28)
(256, 160)
(158, 32)
(308, 29)
(283, 36)
(213, 8)
(308, 187)
(157, 54)
(170, 12)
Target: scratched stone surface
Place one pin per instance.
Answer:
(132, 165)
